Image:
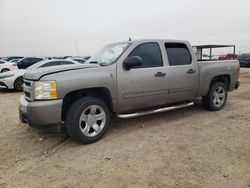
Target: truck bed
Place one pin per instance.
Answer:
(209, 69)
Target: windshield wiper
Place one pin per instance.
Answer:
(96, 62)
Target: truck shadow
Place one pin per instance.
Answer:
(121, 127)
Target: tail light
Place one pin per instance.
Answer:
(238, 72)
(14, 64)
(248, 59)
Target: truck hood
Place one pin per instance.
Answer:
(36, 74)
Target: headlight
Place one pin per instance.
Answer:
(45, 90)
(6, 76)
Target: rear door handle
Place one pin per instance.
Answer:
(160, 74)
(191, 71)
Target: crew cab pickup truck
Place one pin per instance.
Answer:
(126, 79)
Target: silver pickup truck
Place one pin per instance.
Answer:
(126, 79)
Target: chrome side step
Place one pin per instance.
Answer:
(159, 110)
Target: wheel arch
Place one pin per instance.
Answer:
(99, 92)
(5, 68)
(226, 79)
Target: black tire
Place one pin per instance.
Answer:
(5, 70)
(208, 100)
(18, 84)
(74, 127)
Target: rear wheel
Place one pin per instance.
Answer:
(88, 119)
(18, 84)
(216, 97)
(5, 70)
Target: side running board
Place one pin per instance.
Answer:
(159, 110)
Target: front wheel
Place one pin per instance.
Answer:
(216, 97)
(88, 119)
(18, 84)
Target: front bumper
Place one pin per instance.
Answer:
(40, 113)
(7, 83)
(3, 85)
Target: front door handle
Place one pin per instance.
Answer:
(191, 71)
(160, 74)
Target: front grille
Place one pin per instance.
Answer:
(27, 83)
(27, 89)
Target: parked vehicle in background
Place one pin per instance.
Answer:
(244, 60)
(14, 60)
(14, 79)
(12, 57)
(87, 57)
(78, 59)
(65, 57)
(207, 57)
(222, 58)
(7, 66)
(126, 79)
(28, 61)
(228, 57)
(232, 56)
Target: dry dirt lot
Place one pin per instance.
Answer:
(185, 148)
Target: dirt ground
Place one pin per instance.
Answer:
(185, 148)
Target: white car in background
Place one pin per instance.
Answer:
(15, 60)
(78, 59)
(7, 66)
(14, 79)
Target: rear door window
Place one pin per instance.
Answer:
(178, 54)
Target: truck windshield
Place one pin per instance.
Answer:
(108, 54)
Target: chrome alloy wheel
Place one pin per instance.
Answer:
(219, 96)
(92, 120)
(20, 84)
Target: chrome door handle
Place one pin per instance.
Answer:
(160, 74)
(191, 71)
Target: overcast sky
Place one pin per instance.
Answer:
(81, 27)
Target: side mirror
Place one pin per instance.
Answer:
(133, 61)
